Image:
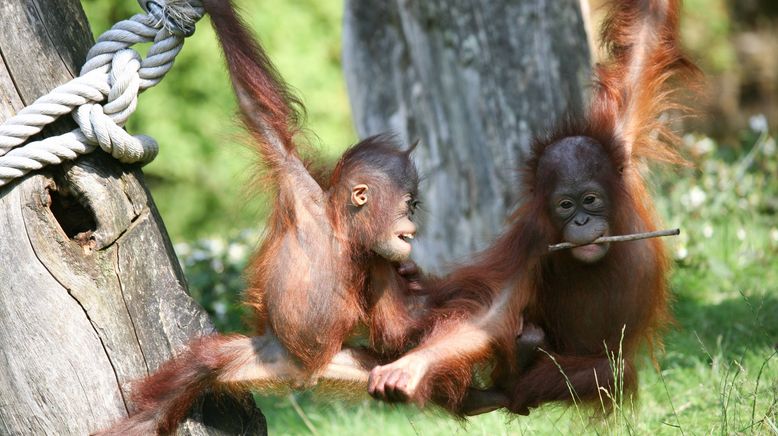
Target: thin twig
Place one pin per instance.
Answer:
(620, 238)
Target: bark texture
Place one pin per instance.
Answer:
(91, 294)
(473, 80)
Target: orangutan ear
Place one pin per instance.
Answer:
(359, 195)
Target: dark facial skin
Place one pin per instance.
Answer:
(579, 203)
(581, 212)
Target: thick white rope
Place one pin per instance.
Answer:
(113, 73)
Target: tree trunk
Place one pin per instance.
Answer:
(91, 294)
(474, 80)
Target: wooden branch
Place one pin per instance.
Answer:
(620, 238)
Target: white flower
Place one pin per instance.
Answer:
(707, 230)
(215, 246)
(198, 256)
(236, 252)
(704, 146)
(681, 253)
(220, 308)
(774, 234)
(741, 234)
(696, 197)
(758, 123)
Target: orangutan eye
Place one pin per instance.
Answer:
(589, 199)
(413, 204)
(566, 204)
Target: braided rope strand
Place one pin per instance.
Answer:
(43, 111)
(104, 96)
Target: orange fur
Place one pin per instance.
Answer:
(582, 308)
(632, 86)
(315, 283)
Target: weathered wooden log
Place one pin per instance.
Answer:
(91, 294)
(474, 80)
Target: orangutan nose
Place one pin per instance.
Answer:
(581, 220)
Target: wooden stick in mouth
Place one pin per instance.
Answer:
(620, 238)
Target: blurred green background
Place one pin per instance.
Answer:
(199, 179)
(719, 372)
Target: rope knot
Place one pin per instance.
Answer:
(177, 16)
(100, 129)
(102, 125)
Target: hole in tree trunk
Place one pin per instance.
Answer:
(76, 221)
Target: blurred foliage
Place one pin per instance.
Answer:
(726, 205)
(706, 32)
(735, 44)
(199, 178)
(214, 272)
(730, 193)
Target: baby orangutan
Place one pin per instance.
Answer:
(326, 273)
(591, 308)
